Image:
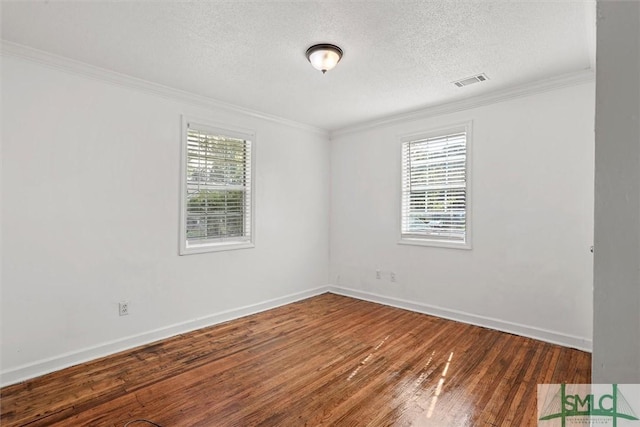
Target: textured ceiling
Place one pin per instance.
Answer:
(399, 56)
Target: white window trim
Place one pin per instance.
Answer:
(231, 244)
(430, 133)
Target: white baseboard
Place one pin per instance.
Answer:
(553, 337)
(45, 366)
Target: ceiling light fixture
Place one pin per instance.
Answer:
(324, 56)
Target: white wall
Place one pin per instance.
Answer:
(530, 269)
(616, 333)
(90, 206)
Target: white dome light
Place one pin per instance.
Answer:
(324, 57)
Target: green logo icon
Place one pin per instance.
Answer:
(587, 405)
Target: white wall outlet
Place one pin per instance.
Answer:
(392, 276)
(123, 308)
(378, 274)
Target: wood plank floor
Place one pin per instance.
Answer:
(328, 360)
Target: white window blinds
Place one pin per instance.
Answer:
(434, 188)
(217, 189)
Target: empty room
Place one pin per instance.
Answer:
(320, 213)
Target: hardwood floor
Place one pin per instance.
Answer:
(327, 360)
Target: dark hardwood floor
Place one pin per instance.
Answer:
(327, 360)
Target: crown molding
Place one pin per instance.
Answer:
(540, 86)
(10, 49)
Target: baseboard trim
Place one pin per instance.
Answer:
(553, 337)
(46, 366)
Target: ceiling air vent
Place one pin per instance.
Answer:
(471, 80)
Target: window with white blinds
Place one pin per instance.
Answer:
(435, 188)
(217, 189)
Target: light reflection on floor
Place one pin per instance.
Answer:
(434, 399)
(366, 359)
(417, 398)
(418, 401)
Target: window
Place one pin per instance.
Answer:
(217, 191)
(435, 188)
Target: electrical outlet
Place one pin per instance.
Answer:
(378, 274)
(392, 276)
(123, 308)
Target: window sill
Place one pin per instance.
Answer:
(215, 247)
(435, 243)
